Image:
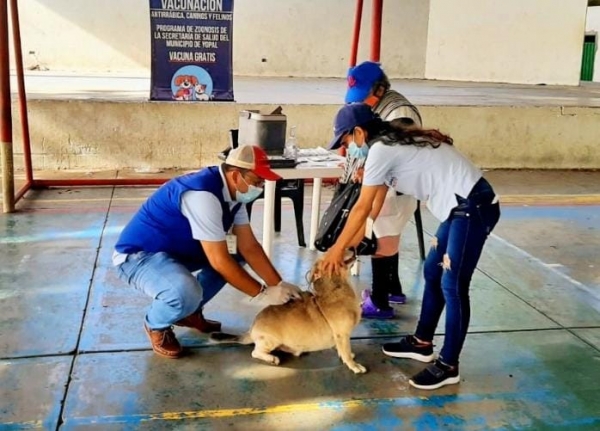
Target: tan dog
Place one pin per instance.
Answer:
(318, 321)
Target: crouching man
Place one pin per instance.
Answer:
(198, 223)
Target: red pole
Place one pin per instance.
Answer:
(22, 95)
(100, 182)
(26, 187)
(6, 150)
(376, 30)
(356, 32)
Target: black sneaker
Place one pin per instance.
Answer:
(435, 376)
(409, 348)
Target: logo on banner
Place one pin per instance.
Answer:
(192, 83)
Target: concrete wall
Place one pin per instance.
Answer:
(86, 36)
(592, 25)
(516, 41)
(96, 135)
(312, 37)
(306, 38)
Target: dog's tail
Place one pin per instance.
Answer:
(223, 337)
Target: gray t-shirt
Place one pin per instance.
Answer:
(430, 174)
(203, 211)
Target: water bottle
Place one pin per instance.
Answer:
(291, 147)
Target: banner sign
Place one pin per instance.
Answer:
(191, 50)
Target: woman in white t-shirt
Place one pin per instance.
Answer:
(424, 164)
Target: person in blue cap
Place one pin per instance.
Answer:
(424, 164)
(368, 83)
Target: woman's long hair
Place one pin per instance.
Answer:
(403, 132)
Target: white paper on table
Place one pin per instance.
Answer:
(318, 157)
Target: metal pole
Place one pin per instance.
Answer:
(103, 182)
(21, 192)
(356, 32)
(376, 30)
(16, 27)
(6, 150)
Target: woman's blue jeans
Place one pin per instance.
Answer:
(176, 293)
(450, 265)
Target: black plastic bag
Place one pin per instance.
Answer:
(334, 220)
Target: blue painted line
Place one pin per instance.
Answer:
(568, 424)
(20, 426)
(545, 404)
(55, 236)
(586, 216)
(30, 425)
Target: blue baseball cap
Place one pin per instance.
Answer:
(361, 79)
(349, 117)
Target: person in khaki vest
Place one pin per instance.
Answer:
(367, 83)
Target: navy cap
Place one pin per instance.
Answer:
(349, 117)
(361, 79)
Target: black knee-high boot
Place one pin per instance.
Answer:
(381, 281)
(395, 287)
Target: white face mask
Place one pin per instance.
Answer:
(247, 197)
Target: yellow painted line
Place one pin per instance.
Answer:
(221, 413)
(583, 199)
(324, 407)
(290, 408)
(23, 425)
(58, 201)
(226, 413)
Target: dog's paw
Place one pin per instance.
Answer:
(266, 357)
(357, 368)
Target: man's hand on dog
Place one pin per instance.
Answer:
(280, 294)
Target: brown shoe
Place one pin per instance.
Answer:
(164, 342)
(197, 321)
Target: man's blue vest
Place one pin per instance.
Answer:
(159, 224)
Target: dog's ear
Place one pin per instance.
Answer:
(194, 80)
(178, 80)
(316, 271)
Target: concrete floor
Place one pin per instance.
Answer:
(73, 354)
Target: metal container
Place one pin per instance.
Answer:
(268, 131)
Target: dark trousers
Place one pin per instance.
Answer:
(450, 265)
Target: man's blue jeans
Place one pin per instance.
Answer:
(176, 293)
(450, 265)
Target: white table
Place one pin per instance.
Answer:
(315, 170)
